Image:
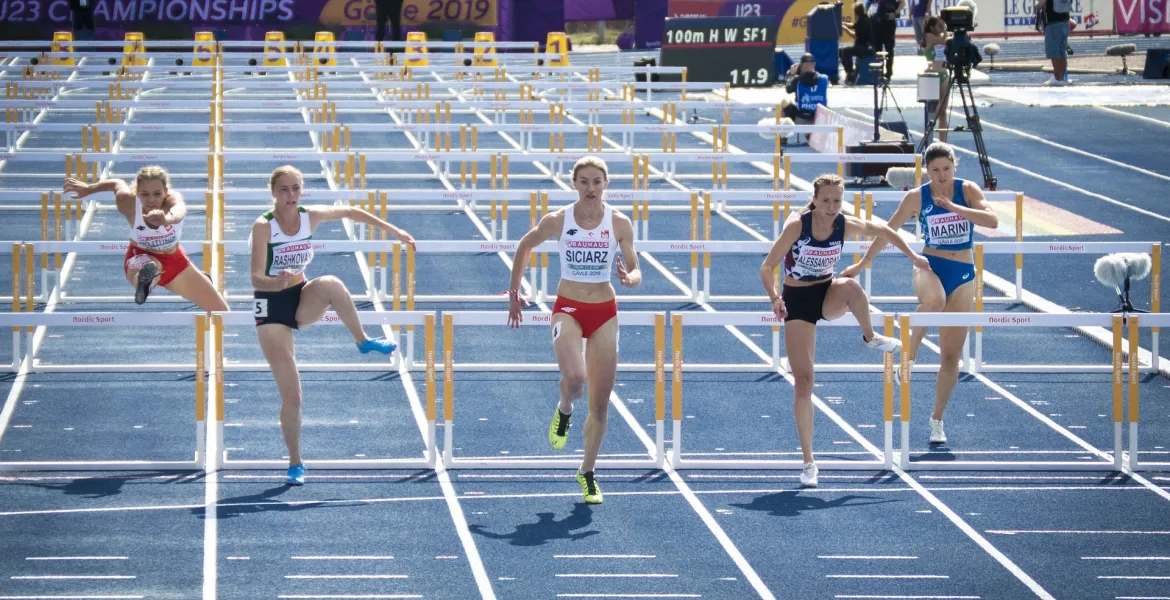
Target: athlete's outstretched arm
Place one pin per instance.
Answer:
(175, 208)
(629, 271)
(910, 204)
(323, 214)
(883, 234)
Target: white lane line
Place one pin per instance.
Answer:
(883, 597)
(63, 577)
(604, 556)
(342, 557)
(869, 557)
(1074, 532)
(1056, 182)
(1125, 558)
(346, 576)
(1077, 151)
(475, 561)
(629, 596)
(76, 558)
(887, 576)
(1142, 577)
(211, 495)
(1144, 118)
(71, 597)
(623, 575)
(348, 596)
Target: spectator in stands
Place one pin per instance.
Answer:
(82, 15)
(388, 9)
(862, 34)
(809, 88)
(1055, 15)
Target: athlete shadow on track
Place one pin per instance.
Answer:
(265, 501)
(104, 486)
(792, 504)
(546, 528)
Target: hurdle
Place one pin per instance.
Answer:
(732, 320)
(104, 320)
(1131, 323)
(1118, 367)
(391, 319)
(499, 318)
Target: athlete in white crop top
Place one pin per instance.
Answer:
(590, 234)
(155, 214)
(284, 299)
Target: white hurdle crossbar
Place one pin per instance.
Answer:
(199, 365)
(680, 320)
(450, 320)
(391, 319)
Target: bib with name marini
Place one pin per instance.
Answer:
(587, 254)
(811, 259)
(289, 252)
(941, 228)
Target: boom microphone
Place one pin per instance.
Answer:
(1118, 269)
(900, 177)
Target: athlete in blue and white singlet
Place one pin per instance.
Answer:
(949, 209)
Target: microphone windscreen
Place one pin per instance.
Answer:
(1137, 265)
(1110, 270)
(900, 177)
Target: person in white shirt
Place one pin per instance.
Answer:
(155, 214)
(590, 233)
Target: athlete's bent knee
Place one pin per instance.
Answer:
(574, 383)
(803, 384)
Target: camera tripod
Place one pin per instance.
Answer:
(960, 78)
(882, 85)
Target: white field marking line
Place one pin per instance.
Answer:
(345, 576)
(211, 492)
(1143, 598)
(1037, 138)
(604, 556)
(576, 494)
(870, 557)
(1074, 532)
(70, 597)
(342, 557)
(1134, 116)
(1141, 577)
(907, 597)
(55, 577)
(77, 558)
(1054, 181)
(705, 515)
(629, 596)
(887, 576)
(1125, 558)
(462, 529)
(346, 596)
(631, 575)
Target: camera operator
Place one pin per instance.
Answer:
(809, 88)
(388, 10)
(82, 15)
(885, 29)
(862, 34)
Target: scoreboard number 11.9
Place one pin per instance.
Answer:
(739, 51)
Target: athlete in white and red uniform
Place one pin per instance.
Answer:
(155, 214)
(590, 234)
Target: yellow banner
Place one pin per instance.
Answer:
(356, 13)
(420, 12)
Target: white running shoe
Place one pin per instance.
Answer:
(808, 476)
(883, 343)
(898, 372)
(937, 435)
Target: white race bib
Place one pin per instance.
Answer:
(260, 308)
(948, 229)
